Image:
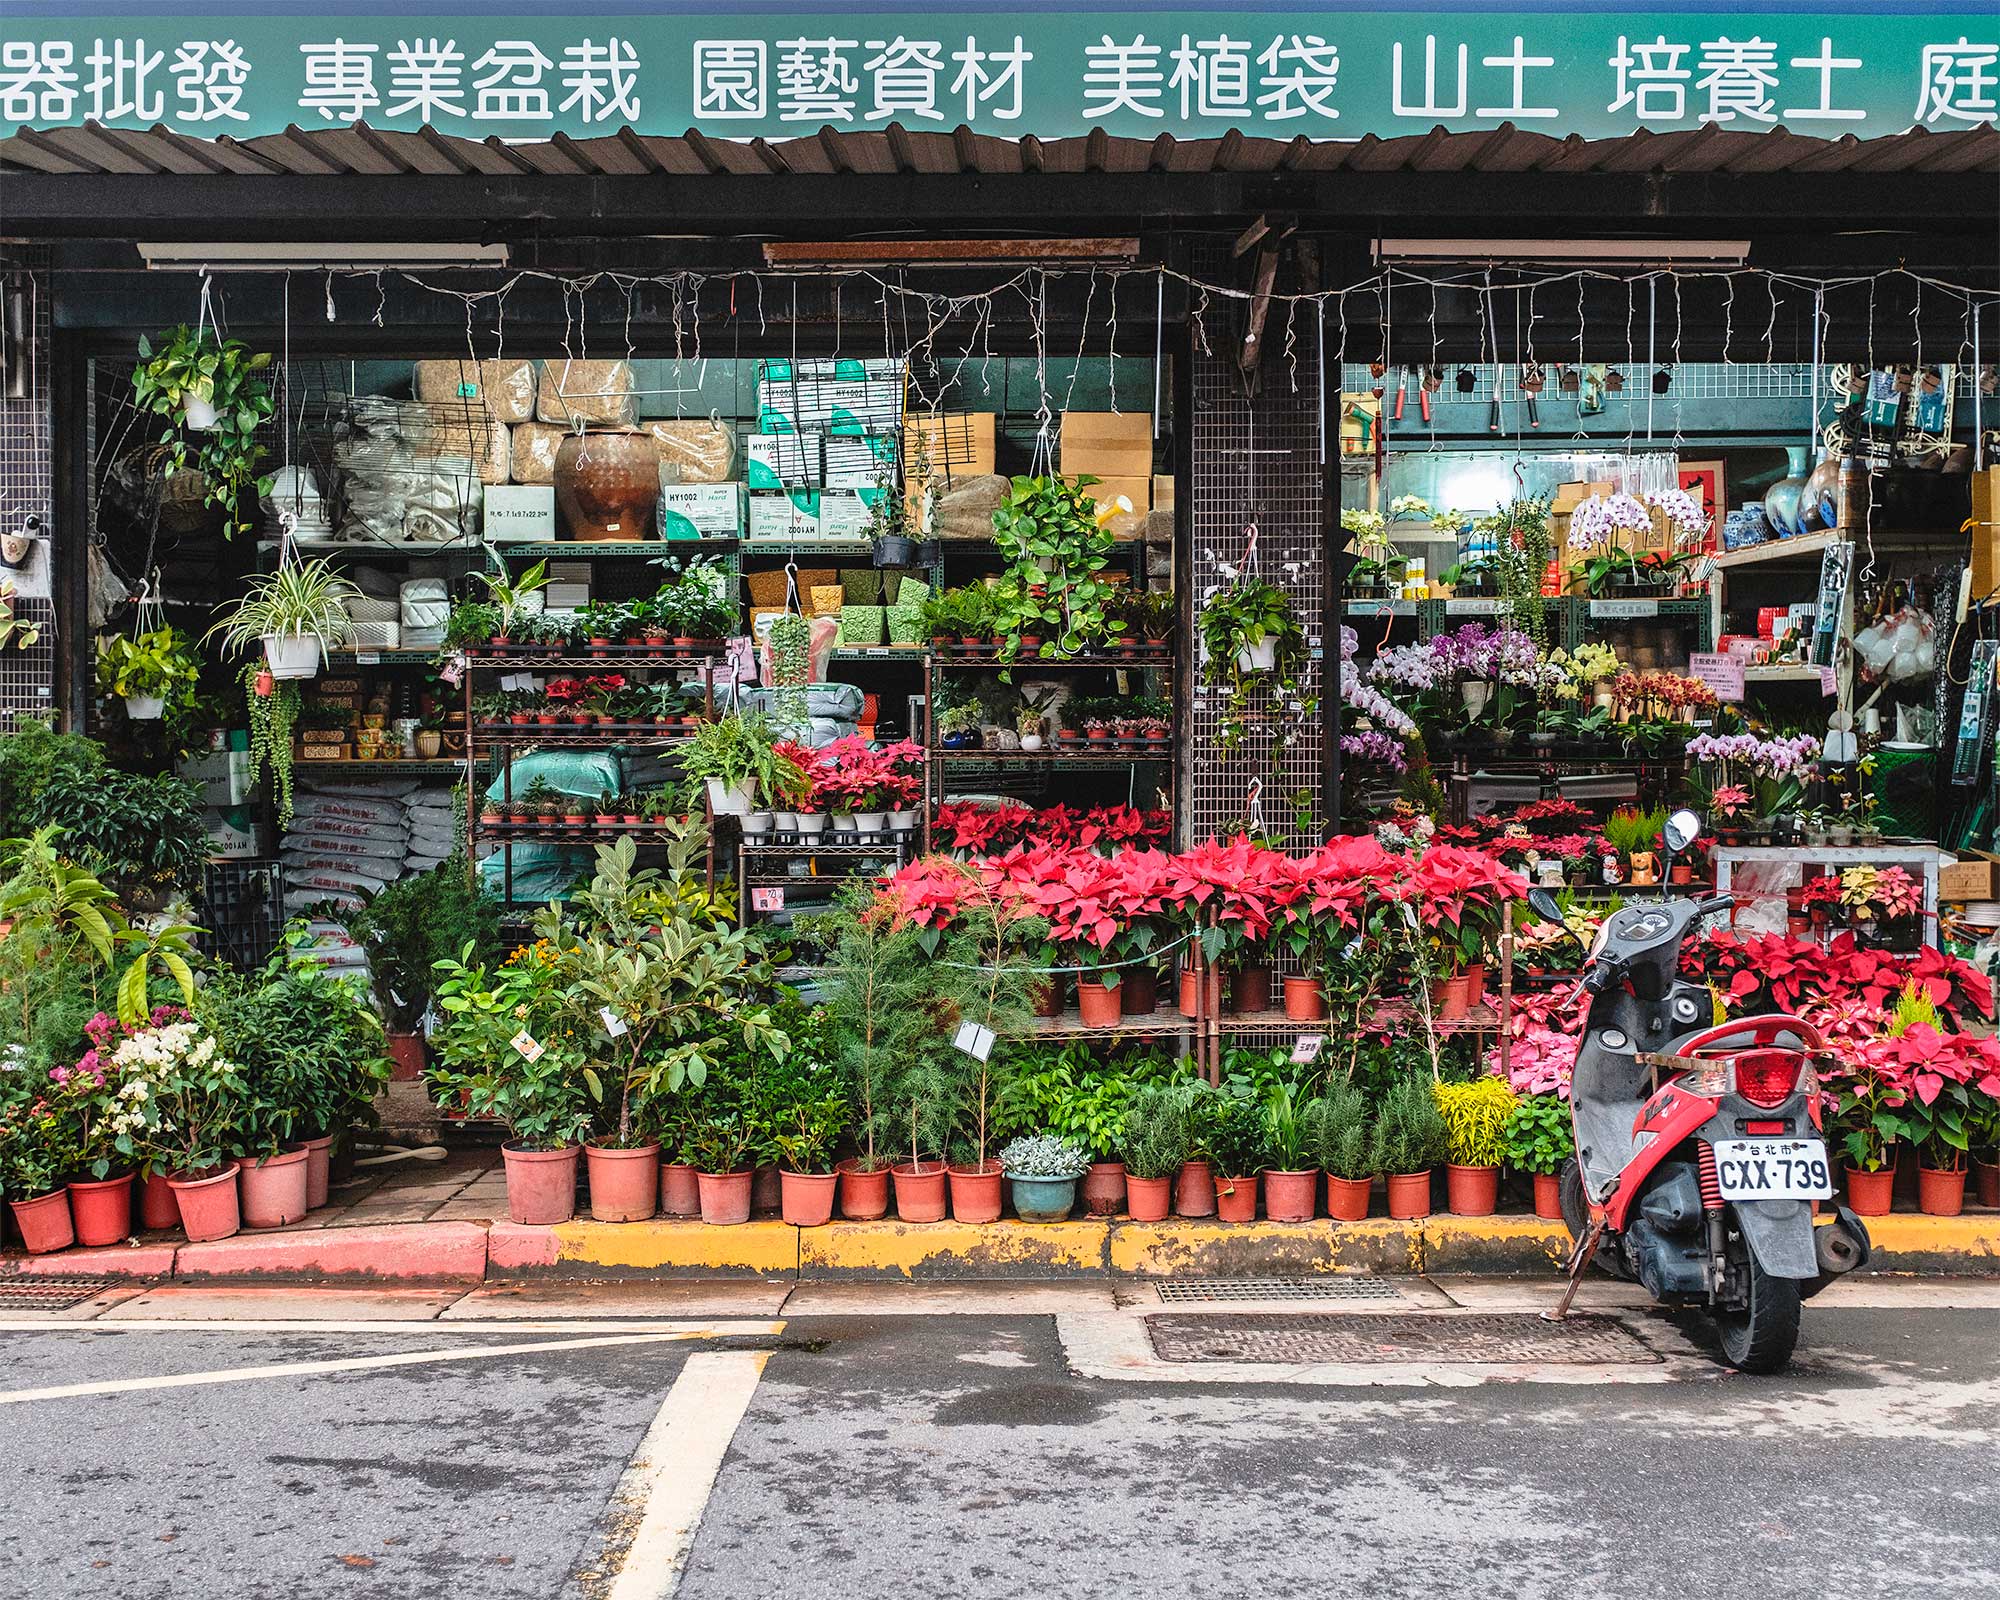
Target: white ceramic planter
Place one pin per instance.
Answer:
(758, 822)
(786, 821)
(1475, 693)
(292, 655)
(1031, 741)
(729, 802)
(903, 822)
(1259, 657)
(843, 824)
(145, 707)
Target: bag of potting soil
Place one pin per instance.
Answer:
(591, 774)
(542, 871)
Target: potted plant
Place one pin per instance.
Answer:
(1538, 1139)
(16, 632)
(473, 623)
(38, 1147)
(873, 974)
(719, 1150)
(1475, 1116)
(1042, 1170)
(148, 672)
(1409, 1139)
(1251, 642)
(1291, 1183)
(734, 759)
(295, 613)
(1156, 1141)
(1057, 545)
(408, 928)
(958, 725)
(806, 1143)
(511, 600)
(1336, 1128)
(1238, 1146)
(197, 1102)
(209, 387)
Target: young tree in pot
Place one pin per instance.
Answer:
(144, 835)
(1291, 1183)
(1537, 1140)
(407, 928)
(1158, 1139)
(1409, 1139)
(1476, 1116)
(806, 1140)
(1336, 1128)
(1042, 1170)
(1239, 1149)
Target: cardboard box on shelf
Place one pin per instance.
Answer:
(1974, 876)
(1163, 491)
(523, 512)
(783, 459)
(1107, 444)
(232, 833)
(1985, 532)
(784, 514)
(701, 511)
(955, 444)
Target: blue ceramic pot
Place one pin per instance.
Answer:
(1042, 1199)
(1781, 501)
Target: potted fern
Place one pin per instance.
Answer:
(212, 388)
(295, 613)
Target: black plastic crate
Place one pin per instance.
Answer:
(242, 911)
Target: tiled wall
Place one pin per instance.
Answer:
(27, 677)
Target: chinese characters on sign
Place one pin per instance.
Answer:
(1339, 75)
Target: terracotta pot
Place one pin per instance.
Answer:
(208, 1205)
(1475, 984)
(766, 1192)
(864, 1195)
(1291, 1196)
(1347, 1198)
(1472, 1191)
(920, 1190)
(1194, 1190)
(319, 1171)
(101, 1210)
(1870, 1193)
(1548, 1197)
(1148, 1199)
(1188, 992)
(1682, 873)
(1986, 1181)
(725, 1197)
(608, 485)
(1104, 1188)
(274, 1189)
(1049, 996)
(406, 1056)
(44, 1222)
(1305, 1000)
(1236, 1199)
(156, 1202)
(1139, 992)
(1097, 1005)
(1409, 1195)
(1940, 1194)
(680, 1195)
(975, 1192)
(1448, 1003)
(541, 1184)
(805, 1199)
(624, 1184)
(1250, 989)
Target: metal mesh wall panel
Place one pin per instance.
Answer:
(27, 677)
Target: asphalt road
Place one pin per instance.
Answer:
(1023, 1455)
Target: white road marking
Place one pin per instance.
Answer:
(300, 1369)
(676, 1466)
(702, 1328)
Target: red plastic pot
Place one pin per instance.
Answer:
(1097, 1004)
(1347, 1198)
(1472, 1191)
(1475, 984)
(1291, 1196)
(725, 1197)
(1188, 992)
(1871, 1193)
(1250, 989)
(1104, 1188)
(1305, 1000)
(975, 1192)
(1148, 1199)
(864, 1195)
(680, 1195)
(624, 1184)
(1194, 1190)
(541, 1184)
(1448, 1002)
(156, 1202)
(319, 1171)
(920, 1190)
(208, 1204)
(1986, 1182)
(101, 1210)
(1548, 1197)
(806, 1198)
(1139, 992)
(274, 1189)
(406, 1056)
(1409, 1195)
(1236, 1199)
(1940, 1193)
(44, 1222)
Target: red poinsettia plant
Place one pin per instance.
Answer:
(851, 775)
(1773, 972)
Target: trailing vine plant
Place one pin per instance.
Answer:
(1057, 544)
(223, 376)
(1524, 539)
(791, 666)
(1234, 624)
(274, 712)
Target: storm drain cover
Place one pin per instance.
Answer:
(1299, 1338)
(1333, 1287)
(48, 1294)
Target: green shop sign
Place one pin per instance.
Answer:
(774, 70)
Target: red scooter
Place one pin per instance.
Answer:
(1700, 1167)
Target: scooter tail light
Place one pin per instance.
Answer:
(1767, 1078)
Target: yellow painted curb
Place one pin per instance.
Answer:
(953, 1249)
(690, 1247)
(1205, 1249)
(1907, 1243)
(1493, 1244)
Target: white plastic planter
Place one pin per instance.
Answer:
(870, 821)
(198, 414)
(729, 801)
(903, 822)
(812, 822)
(758, 822)
(843, 824)
(145, 707)
(1259, 657)
(1475, 693)
(292, 655)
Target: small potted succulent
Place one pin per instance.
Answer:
(1042, 1171)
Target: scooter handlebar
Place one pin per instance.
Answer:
(1715, 902)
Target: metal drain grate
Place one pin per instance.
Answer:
(1302, 1338)
(1349, 1286)
(24, 1293)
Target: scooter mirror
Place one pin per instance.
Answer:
(1544, 905)
(1681, 830)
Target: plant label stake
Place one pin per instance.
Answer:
(1306, 1049)
(613, 1023)
(525, 1042)
(975, 1039)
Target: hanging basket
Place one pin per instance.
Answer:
(198, 413)
(1259, 657)
(145, 707)
(292, 655)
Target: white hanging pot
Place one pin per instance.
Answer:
(198, 413)
(292, 655)
(1259, 657)
(729, 801)
(145, 707)
(1475, 692)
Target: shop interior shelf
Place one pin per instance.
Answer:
(585, 549)
(1168, 1020)
(581, 738)
(1157, 661)
(1782, 673)
(348, 656)
(615, 655)
(878, 845)
(388, 769)
(1794, 549)
(571, 831)
(879, 652)
(1065, 758)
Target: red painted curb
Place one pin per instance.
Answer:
(419, 1252)
(111, 1261)
(513, 1246)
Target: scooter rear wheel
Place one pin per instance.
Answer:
(1760, 1336)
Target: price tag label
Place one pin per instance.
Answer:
(1473, 607)
(613, 1023)
(523, 682)
(1827, 682)
(975, 1039)
(768, 899)
(526, 1043)
(368, 658)
(1624, 608)
(1306, 1048)
(1722, 673)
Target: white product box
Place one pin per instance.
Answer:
(782, 460)
(860, 460)
(521, 511)
(701, 511)
(844, 513)
(782, 514)
(224, 776)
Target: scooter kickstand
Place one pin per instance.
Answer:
(1579, 1264)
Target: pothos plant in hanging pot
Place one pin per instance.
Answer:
(1057, 546)
(1251, 643)
(149, 672)
(210, 388)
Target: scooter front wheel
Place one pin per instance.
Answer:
(1760, 1336)
(1610, 1257)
